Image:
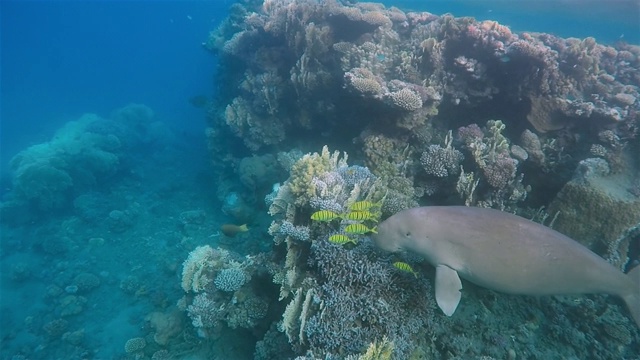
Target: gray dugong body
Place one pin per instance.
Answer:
(502, 252)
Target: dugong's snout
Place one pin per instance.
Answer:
(384, 240)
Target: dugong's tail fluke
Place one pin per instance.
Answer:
(633, 298)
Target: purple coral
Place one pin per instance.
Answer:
(500, 172)
(470, 133)
(359, 287)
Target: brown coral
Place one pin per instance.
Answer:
(166, 325)
(547, 113)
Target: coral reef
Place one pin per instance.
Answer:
(85, 153)
(197, 269)
(495, 166)
(361, 288)
(134, 345)
(229, 289)
(442, 161)
(230, 279)
(327, 283)
(585, 205)
(414, 97)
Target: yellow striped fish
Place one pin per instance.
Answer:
(362, 216)
(359, 229)
(341, 239)
(364, 205)
(325, 215)
(405, 267)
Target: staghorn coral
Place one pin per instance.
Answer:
(359, 287)
(287, 229)
(161, 355)
(400, 195)
(248, 313)
(45, 174)
(384, 54)
(378, 350)
(256, 130)
(356, 175)
(55, 328)
(82, 156)
(384, 155)
(501, 171)
(42, 183)
(86, 282)
(337, 186)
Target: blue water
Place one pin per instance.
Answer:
(98, 261)
(61, 59)
(607, 21)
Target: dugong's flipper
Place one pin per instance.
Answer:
(448, 286)
(632, 299)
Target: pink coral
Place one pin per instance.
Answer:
(500, 172)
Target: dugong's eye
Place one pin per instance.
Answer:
(408, 234)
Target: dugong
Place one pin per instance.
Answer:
(502, 252)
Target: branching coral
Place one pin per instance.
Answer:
(231, 296)
(309, 167)
(360, 287)
(230, 279)
(320, 182)
(326, 283)
(362, 81)
(442, 161)
(348, 69)
(496, 167)
(198, 267)
(406, 99)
